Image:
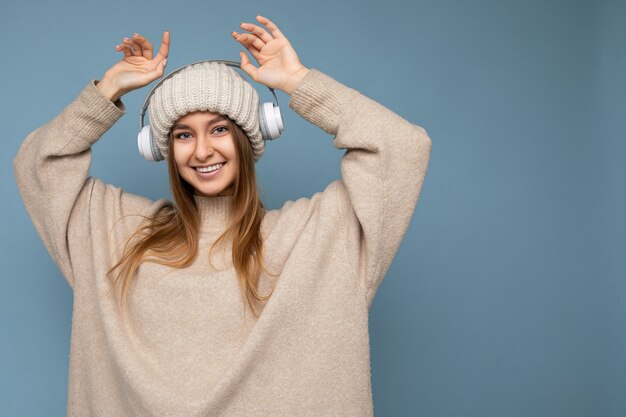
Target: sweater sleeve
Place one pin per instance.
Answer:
(51, 171)
(382, 171)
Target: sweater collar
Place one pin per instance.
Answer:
(214, 212)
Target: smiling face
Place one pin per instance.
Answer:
(203, 139)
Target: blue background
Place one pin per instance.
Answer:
(507, 296)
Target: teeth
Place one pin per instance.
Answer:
(210, 168)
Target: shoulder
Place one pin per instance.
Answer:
(294, 215)
(111, 204)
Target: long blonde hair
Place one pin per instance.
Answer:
(170, 236)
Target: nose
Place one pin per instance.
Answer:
(204, 148)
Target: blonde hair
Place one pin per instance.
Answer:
(170, 236)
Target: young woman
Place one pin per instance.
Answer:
(159, 327)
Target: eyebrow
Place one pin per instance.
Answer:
(210, 122)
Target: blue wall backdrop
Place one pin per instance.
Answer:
(507, 296)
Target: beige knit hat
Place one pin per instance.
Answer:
(211, 86)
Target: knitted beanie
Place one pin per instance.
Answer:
(211, 86)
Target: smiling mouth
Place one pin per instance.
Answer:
(209, 173)
(221, 164)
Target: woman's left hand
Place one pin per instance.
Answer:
(280, 66)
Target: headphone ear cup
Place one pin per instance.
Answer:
(270, 121)
(147, 146)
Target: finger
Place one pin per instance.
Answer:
(249, 39)
(135, 48)
(165, 47)
(245, 65)
(271, 26)
(124, 48)
(257, 30)
(132, 48)
(250, 42)
(146, 46)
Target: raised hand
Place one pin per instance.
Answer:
(280, 66)
(137, 68)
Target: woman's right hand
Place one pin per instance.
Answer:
(136, 69)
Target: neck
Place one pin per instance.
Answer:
(214, 212)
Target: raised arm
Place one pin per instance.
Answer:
(385, 163)
(383, 170)
(51, 170)
(52, 164)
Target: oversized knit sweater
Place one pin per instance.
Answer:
(185, 347)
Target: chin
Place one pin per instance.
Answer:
(208, 188)
(213, 191)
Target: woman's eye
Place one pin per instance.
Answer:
(217, 129)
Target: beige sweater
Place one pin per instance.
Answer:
(186, 348)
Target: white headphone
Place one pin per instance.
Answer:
(270, 121)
